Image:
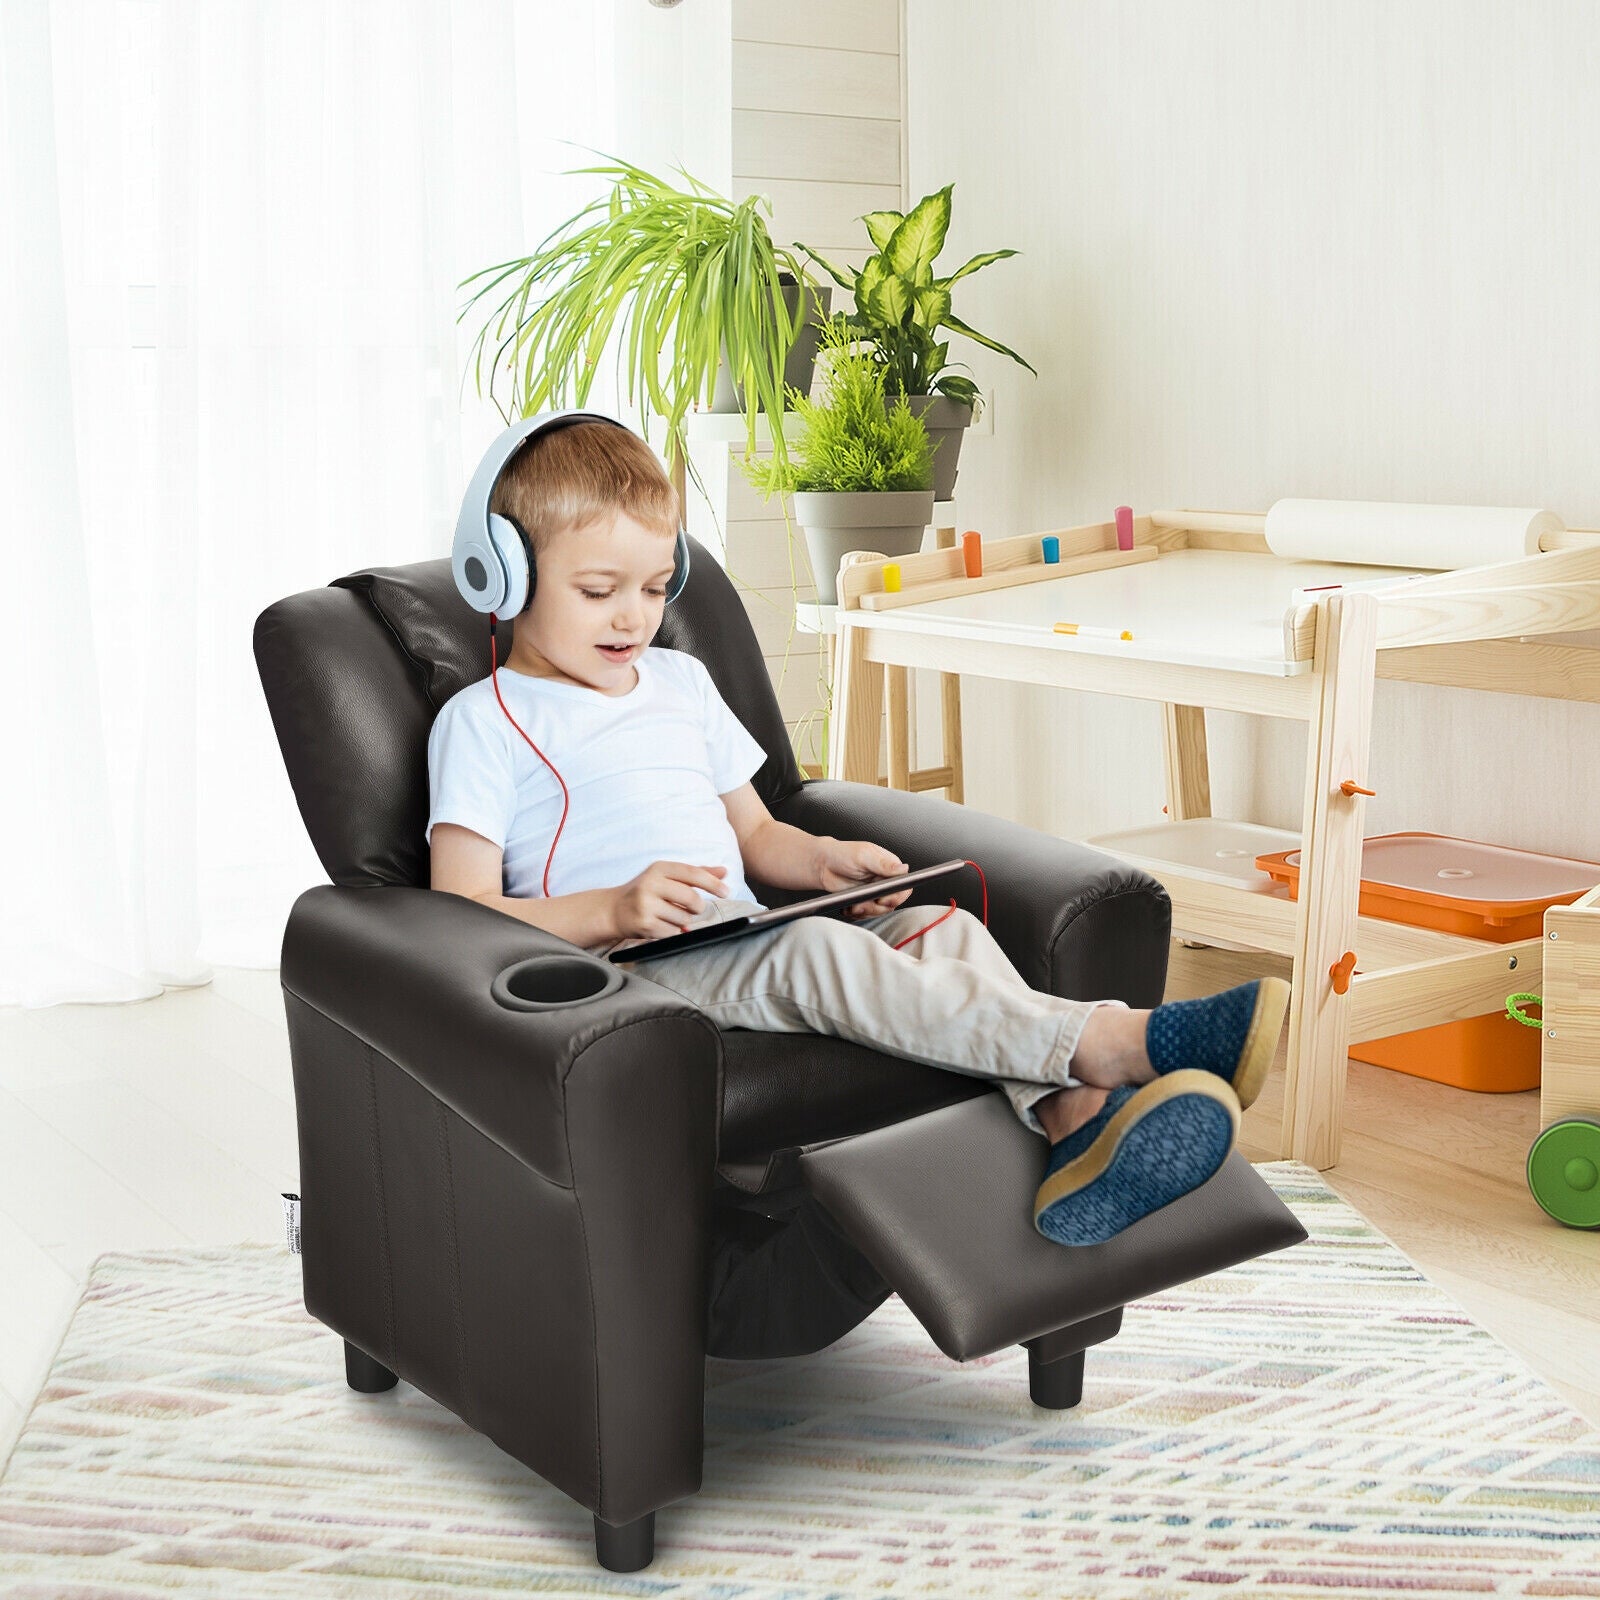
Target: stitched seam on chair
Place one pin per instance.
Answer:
(364, 587)
(383, 1209)
(594, 1318)
(467, 1409)
(345, 1028)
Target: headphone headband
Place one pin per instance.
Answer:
(491, 558)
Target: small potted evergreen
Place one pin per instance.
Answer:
(900, 307)
(860, 467)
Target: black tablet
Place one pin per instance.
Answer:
(819, 905)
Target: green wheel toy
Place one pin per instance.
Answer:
(1564, 1161)
(1564, 1171)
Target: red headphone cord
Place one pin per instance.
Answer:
(494, 677)
(952, 911)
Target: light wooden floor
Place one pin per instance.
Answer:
(1439, 1171)
(171, 1123)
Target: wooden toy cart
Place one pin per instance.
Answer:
(1218, 620)
(1564, 1161)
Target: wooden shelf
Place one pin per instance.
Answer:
(1405, 978)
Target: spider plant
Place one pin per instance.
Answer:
(693, 279)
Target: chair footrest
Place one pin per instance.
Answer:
(942, 1206)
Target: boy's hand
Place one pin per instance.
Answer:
(850, 861)
(663, 899)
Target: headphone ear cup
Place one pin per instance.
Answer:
(516, 559)
(680, 567)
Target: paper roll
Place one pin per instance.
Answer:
(1388, 534)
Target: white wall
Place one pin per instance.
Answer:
(676, 112)
(1270, 248)
(814, 124)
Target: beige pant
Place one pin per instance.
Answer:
(949, 999)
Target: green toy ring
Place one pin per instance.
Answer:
(1514, 1004)
(1564, 1171)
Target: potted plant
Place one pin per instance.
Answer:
(900, 307)
(860, 467)
(697, 284)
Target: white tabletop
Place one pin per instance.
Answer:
(1204, 608)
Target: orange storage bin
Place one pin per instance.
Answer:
(1481, 891)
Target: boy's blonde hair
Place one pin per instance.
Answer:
(573, 476)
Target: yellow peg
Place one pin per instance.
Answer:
(891, 577)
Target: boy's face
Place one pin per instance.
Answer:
(601, 586)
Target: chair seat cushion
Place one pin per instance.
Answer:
(782, 1090)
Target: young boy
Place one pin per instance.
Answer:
(658, 824)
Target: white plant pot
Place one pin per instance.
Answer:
(891, 522)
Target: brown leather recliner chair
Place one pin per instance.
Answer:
(543, 1191)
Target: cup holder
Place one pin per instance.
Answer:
(547, 983)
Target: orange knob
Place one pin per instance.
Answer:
(1340, 971)
(972, 553)
(1350, 786)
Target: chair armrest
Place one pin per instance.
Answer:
(1074, 921)
(409, 972)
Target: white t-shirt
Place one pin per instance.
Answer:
(644, 771)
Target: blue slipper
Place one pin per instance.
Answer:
(1233, 1034)
(1144, 1148)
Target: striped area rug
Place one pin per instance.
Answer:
(1317, 1422)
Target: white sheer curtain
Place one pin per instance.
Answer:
(230, 239)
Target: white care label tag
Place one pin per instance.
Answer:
(291, 1221)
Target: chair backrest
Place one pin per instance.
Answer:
(355, 673)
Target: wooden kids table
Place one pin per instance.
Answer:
(1218, 620)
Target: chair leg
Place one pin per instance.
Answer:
(1055, 1360)
(365, 1375)
(626, 1546)
(1055, 1385)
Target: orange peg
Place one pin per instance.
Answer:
(1351, 787)
(972, 553)
(1340, 972)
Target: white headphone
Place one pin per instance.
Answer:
(492, 558)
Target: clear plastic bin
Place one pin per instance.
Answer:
(1204, 847)
(1481, 891)
(1209, 848)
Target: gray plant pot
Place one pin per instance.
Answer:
(892, 522)
(802, 359)
(946, 420)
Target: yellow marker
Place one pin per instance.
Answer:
(891, 577)
(1091, 633)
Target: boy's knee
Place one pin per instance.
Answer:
(922, 916)
(815, 934)
(828, 942)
